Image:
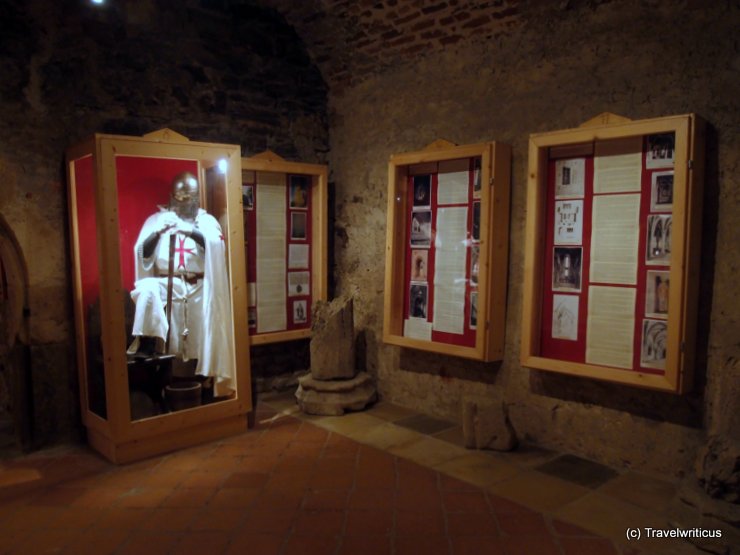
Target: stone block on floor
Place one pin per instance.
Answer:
(486, 425)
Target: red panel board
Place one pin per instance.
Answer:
(575, 350)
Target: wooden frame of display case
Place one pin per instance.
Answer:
(666, 241)
(316, 235)
(98, 257)
(482, 336)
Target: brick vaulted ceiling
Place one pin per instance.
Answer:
(350, 40)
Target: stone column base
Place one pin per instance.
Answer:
(334, 397)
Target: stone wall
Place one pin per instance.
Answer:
(559, 65)
(211, 71)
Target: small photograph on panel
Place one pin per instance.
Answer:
(570, 178)
(299, 185)
(422, 191)
(476, 178)
(300, 312)
(419, 261)
(656, 294)
(568, 222)
(659, 240)
(476, 221)
(418, 301)
(661, 195)
(248, 197)
(565, 317)
(566, 269)
(474, 263)
(473, 310)
(298, 225)
(421, 228)
(252, 316)
(660, 151)
(299, 284)
(654, 341)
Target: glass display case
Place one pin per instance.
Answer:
(447, 249)
(159, 292)
(285, 232)
(612, 250)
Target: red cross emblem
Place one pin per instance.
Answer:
(181, 250)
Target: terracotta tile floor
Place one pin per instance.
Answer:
(305, 485)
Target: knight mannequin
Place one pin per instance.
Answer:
(197, 326)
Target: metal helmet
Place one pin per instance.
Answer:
(185, 197)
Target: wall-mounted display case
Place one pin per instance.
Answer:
(159, 292)
(447, 249)
(285, 230)
(612, 250)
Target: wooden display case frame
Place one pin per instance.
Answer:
(494, 243)
(268, 161)
(677, 376)
(114, 434)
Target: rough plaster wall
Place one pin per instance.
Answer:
(70, 69)
(564, 64)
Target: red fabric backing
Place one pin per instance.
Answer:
(642, 266)
(307, 241)
(142, 184)
(564, 349)
(250, 236)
